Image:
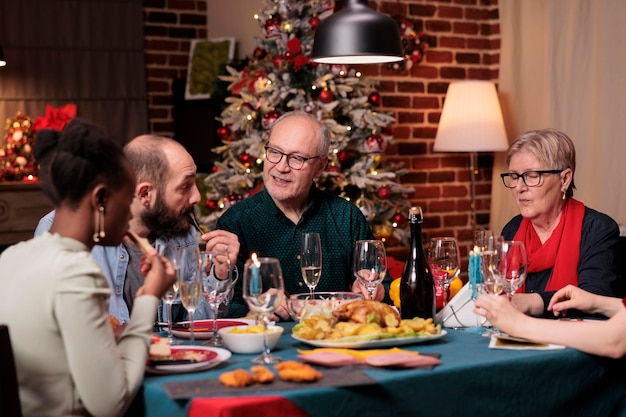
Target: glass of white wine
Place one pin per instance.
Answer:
(172, 253)
(311, 260)
(190, 283)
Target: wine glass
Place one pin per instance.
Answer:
(512, 266)
(445, 262)
(215, 290)
(370, 264)
(311, 260)
(172, 253)
(489, 264)
(263, 290)
(190, 283)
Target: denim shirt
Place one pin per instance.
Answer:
(114, 260)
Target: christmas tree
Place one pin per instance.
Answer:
(280, 77)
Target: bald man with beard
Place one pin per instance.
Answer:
(164, 199)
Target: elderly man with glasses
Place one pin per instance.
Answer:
(271, 222)
(566, 242)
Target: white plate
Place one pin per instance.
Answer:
(391, 342)
(222, 355)
(203, 329)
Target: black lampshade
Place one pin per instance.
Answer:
(2, 61)
(357, 35)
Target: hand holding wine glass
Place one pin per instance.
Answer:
(264, 291)
(311, 260)
(215, 291)
(190, 283)
(445, 262)
(370, 264)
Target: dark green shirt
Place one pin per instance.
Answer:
(263, 229)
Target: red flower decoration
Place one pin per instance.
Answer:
(55, 118)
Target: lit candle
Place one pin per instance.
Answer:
(254, 270)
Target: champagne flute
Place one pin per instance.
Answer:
(512, 266)
(263, 290)
(489, 262)
(370, 264)
(215, 291)
(190, 283)
(311, 260)
(172, 253)
(445, 262)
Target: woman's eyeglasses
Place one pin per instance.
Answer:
(530, 178)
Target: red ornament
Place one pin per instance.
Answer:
(343, 156)
(375, 143)
(278, 60)
(398, 219)
(245, 159)
(210, 204)
(374, 98)
(259, 53)
(384, 192)
(269, 118)
(223, 132)
(326, 96)
(314, 21)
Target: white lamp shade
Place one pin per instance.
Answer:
(471, 119)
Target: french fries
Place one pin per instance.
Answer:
(322, 328)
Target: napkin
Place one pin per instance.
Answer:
(393, 358)
(459, 312)
(518, 343)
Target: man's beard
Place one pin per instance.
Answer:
(163, 222)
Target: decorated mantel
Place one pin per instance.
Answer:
(22, 203)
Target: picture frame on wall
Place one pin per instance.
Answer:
(206, 58)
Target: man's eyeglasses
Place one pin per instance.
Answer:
(530, 178)
(294, 161)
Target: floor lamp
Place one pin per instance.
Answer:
(471, 121)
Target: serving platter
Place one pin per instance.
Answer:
(177, 368)
(351, 343)
(203, 329)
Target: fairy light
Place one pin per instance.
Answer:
(357, 74)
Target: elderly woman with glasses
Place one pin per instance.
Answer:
(566, 242)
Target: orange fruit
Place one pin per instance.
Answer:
(394, 292)
(455, 286)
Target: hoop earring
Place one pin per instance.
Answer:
(99, 228)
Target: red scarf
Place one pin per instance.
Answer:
(561, 251)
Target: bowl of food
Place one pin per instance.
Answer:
(302, 306)
(249, 339)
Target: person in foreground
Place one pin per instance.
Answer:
(271, 222)
(55, 297)
(566, 242)
(598, 337)
(164, 199)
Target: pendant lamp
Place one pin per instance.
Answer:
(357, 35)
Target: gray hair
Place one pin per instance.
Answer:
(323, 131)
(550, 146)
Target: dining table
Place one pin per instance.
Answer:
(472, 379)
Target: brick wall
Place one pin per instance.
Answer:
(464, 44)
(169, 27)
